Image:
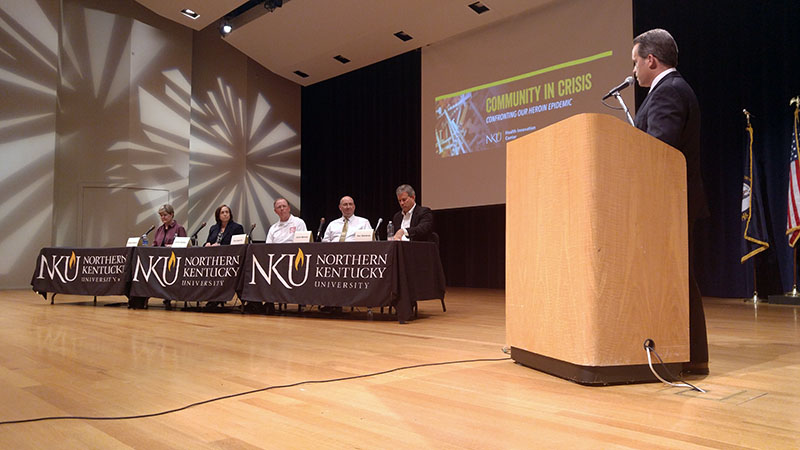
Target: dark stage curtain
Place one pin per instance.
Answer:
(361, 137)
(737, 54)
(473, 245)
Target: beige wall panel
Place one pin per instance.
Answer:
(28, 80)
(113, 224)
(123, 119)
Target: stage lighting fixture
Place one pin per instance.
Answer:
(225, 29)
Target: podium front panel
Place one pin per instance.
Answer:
(596, 244)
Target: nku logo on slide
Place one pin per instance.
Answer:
(494, 138)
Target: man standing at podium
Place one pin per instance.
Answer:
(671, 113)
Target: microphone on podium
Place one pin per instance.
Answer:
(194, 235)
(319, 229)
(628, 81)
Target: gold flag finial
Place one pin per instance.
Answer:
(748, 115)
(795, 101)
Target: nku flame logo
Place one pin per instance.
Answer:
(167, 266)
(494, 138)
(60, 266)
(277, 263)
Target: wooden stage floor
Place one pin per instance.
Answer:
(73, 359)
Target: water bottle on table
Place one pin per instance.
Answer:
(389, 230)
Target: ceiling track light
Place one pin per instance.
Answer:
(225, 28)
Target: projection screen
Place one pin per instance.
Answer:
(492, 85)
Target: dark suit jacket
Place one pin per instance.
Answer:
(671, 113)
(230, 230)
(421, 223)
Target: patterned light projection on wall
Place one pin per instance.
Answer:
(28, 75)
(240, 159)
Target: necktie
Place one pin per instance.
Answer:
(344, 231)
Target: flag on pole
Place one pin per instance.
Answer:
(753, 224)
(793, 211)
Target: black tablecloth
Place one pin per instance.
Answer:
(371, 274)
(199, 274)
(83, 271)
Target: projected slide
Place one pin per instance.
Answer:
(485, 88)
(485, 117)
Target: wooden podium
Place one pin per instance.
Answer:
(596, 251)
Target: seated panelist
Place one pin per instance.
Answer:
(283, 231)
(222, 231)
(413, 222)
(165, 234)
(344, 228)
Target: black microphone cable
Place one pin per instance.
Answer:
(252, 391)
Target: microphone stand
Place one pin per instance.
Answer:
(624, 107)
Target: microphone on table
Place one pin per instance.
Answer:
(319, 229)
(144, 236)
(249, 233)
(194, 235)
(378, 227)
(628, 81)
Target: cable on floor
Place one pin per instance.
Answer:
(253, 391)
(650, 347)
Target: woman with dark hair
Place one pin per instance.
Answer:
(221, 232)
(165, 234)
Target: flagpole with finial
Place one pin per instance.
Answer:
(754, 299)
(796, 102)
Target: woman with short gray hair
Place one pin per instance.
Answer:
(165, 234)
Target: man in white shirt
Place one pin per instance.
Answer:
(283, 231)
(344, 228)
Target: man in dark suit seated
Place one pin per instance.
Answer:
(671, 113)
(413, 222)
